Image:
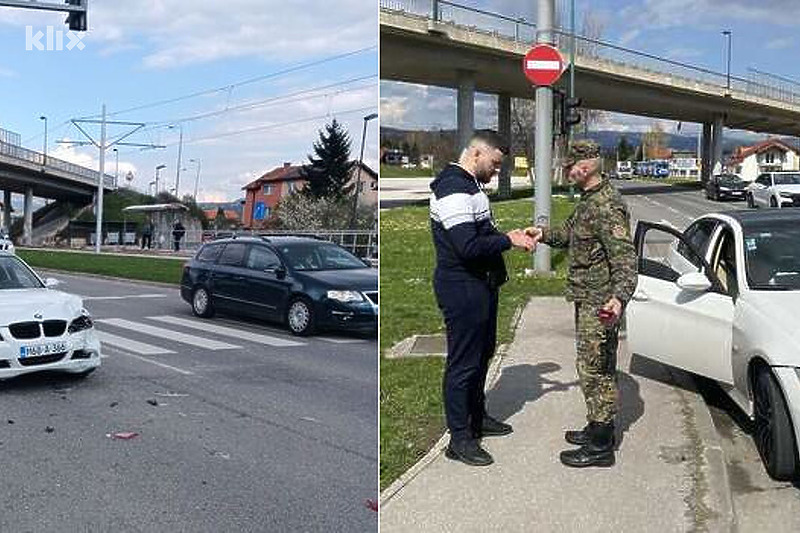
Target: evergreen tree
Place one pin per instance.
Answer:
(328, 170)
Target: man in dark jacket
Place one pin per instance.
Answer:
(178, 232)
(469, 272)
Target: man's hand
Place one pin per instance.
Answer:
(612, 310)
(534, 232)
(520, 239)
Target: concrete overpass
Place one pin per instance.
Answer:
(32, 174)
(485, 54)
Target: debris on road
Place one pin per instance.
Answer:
(113, 404)
(124, 435)
(152, 402)
(49, 429)
(372, 505)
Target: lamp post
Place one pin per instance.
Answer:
(360, 164)
(116, 172)
(727, 34)
(197, 178)
(44, 150)
(180, 149)
(158, 169)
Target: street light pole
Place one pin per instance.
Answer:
(178, 171)
(116, 172)
(197, 178)
(358, 173)
(158, 169)
(728, 34)
(44, 151)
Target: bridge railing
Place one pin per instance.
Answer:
(37, 158)
(523, 31)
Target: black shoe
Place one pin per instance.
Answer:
(598, 451)
(468, 452)
(491, 427)
(581, 436)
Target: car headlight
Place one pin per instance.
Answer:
(81, 323)
(345, 296)
(724, 188)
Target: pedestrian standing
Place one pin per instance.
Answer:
(469, 272)
(601, 280)
(178, 232)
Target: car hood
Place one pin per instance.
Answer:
(19, 305)
(738, 186)
(359, 279)
(794, 189)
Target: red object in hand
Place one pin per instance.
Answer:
(606, 316)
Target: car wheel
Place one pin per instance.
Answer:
(300, 317)
(773, 202)
(201, 303)
(773, 432)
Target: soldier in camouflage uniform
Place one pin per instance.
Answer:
(601, 280)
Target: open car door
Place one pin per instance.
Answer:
(680, 313)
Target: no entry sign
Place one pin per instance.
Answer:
(543, 65)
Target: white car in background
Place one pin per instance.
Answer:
(6, 244)
(722, 300)
(774, 189)
(42, 328)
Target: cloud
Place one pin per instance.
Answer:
(780, 43)
(7, 73)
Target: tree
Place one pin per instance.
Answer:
(625, 151)
(653, 142)
(328, 170)
(302, 212)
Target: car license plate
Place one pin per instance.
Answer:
(37, 350)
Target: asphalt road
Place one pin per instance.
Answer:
(760, 504)
(241, 427)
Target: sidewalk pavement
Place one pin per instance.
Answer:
(669, 476)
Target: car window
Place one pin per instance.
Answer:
(772, 255)
(787, 179)
(763, 179)
(698, 235)
(233, 255)
(209, 253)
(262, 258)
(15, 275)
(724, 262)
(319, 256)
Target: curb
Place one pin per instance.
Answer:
(109, 278)
(491, 379)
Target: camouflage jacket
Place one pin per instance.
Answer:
(602, 259)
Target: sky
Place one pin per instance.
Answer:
(764, 36)
(248, 82)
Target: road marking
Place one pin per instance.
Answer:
(157, 363)
(338, 341)
(222, 330)
(175, 336)
(124, 297)
(130, 345)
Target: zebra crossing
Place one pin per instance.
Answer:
(116, 333)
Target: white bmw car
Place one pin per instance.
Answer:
(42, 328)
(722, 300)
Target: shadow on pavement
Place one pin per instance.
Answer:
(631, 405)
(521, 384)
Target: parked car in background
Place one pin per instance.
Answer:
(720, 300)
(6, 244)
(725, 187)
(42, 328)
(305, 283)
(775, 189)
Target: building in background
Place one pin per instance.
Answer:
(772, 155)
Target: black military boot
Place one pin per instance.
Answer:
(578, 437)
(491, 427)
(599, 451)
(468, 452)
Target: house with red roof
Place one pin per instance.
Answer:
(766, 156)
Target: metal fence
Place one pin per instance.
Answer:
(520, 30)
(37, 158)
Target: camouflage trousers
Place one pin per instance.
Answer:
(596, 346)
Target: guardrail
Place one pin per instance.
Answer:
(37, 158)
(520, 30)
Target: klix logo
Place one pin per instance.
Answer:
(51, 40)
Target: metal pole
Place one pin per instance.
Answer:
(358, 176)
(543, 142)
(116, 173)
(178, 171)
(44, 150)
(727, 34)
(101, 178)
(435, 10)
(196, 179)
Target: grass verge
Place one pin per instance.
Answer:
(412, 416)
(396, 171)
(139, 268)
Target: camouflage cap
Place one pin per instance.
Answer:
(581, 150)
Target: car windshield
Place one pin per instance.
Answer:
(772, 255)
(787, 179)
(15, 275)
(730, 180)
(319, 256)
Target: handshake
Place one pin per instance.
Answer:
(525, 239)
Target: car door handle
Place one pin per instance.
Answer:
(640, 296)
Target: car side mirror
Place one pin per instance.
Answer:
(51, 283)
(279, 271)
(694, 282)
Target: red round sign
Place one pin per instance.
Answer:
(543, 65)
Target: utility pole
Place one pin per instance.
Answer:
(543, 138)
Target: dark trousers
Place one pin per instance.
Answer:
(146, 241)
(470, 316)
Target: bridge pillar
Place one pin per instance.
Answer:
(7, 211)
(716, 152)
(465, 108)
(504, 129)
(705, 153)
(27, 228)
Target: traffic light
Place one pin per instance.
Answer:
(570, 116)
(76, 20)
